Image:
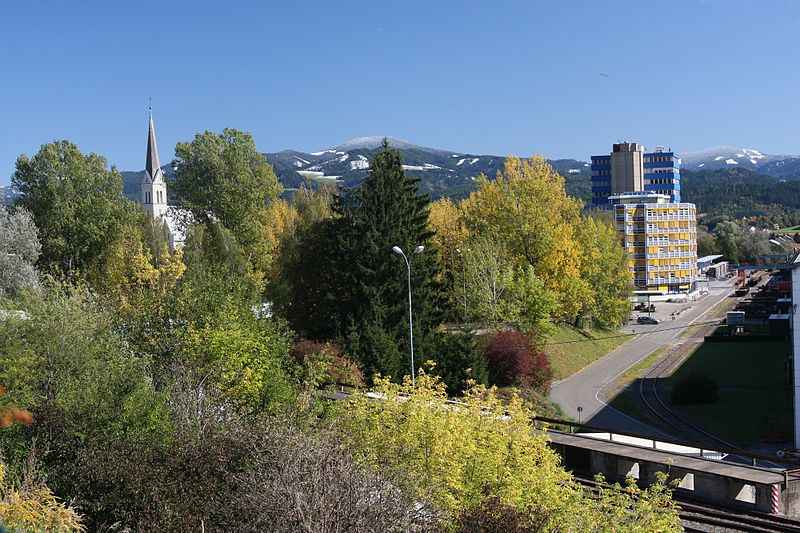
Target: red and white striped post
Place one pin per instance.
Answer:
(776, 499)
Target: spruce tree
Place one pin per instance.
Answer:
(387, 210)
(341, 279)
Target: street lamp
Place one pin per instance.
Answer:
(399, 251)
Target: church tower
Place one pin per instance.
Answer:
(154, 187)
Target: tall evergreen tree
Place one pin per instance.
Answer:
(387, 211)
(346, 282)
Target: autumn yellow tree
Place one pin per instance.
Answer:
(451, 234)
(456, 456)
(527, 210)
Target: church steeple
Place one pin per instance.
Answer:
(154, 187)
(152, 167)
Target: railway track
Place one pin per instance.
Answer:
(696, 516)
(650, 398)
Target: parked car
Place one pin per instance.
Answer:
(647, 320)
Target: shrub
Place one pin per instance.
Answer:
(326, 357)
(513, 360)
(695, 388)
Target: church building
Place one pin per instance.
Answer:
(154, 193)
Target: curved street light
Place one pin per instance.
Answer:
(399, 251)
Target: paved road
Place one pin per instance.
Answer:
(587, 387)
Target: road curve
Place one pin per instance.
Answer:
(588, 387)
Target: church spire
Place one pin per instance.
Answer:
(152, 165)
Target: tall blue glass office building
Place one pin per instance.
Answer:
(630, 169)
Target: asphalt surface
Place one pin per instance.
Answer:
(588, 387)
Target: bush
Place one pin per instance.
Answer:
(513, 360)
(494, 516)
(327, 359)
(695, 388)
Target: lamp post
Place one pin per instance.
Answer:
(399, 251)
(782, 245)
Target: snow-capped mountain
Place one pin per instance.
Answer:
(8, 195)
(441, 172)
(779, 166)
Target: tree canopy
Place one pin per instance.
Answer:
(76, 202)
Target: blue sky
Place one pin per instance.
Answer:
(562, 78)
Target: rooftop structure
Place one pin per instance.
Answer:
(630, 168)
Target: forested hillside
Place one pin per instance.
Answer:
(734, 193)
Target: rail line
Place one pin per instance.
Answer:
(648, 393)
(697, 516)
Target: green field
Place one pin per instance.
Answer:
(570, 349)
(754, 394)
(792, 229)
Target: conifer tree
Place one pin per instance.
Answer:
(344, 280)
(386, 211)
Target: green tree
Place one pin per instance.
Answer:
(82, 384)
(76, 202)
(225, 179)
(457, 360)
(344, 281)
(605, 268)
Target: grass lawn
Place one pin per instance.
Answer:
(754, 395)
(570, 349)
(792, 229)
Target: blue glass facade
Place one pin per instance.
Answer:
(661, 174)
(601, 180)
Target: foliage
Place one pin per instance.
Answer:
(449, 237)
(476, 461)
(490, 273)
(533, 259)
(81, 383)
(694, 388)
(309, 482)
(224, 179)
(451, 454)
(527, 210)
(631, 508)
(457, 360)
(344, 281)
(139, 261)
(513, 360)
(249, 362)
(740, 244)
(34, 508)
(494, 516)
(76, 202)
(328, 362)
(19, 250)
(604, 267)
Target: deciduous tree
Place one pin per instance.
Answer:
(77, 204)
(19, 250)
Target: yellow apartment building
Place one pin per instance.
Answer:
(661, 240)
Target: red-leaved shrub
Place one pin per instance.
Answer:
(513, 360)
